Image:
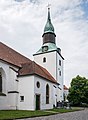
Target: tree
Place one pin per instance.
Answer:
(78, 92)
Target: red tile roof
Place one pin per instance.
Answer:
(65, 88)
(11, 56)
(34, 68)
(27, 66)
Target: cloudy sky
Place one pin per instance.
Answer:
(22, 23)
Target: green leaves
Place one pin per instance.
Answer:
(78, 91)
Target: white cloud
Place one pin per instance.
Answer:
(22, 23)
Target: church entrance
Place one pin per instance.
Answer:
(37, 102)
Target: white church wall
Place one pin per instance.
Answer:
(26, 89)
(7, 81)
(60, 77)
(12, 101)
(50, 63)
(42, 91)
(55, 87)
(13, 80)
(3, 102)
(13, 89)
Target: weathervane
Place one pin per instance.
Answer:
(48, 6)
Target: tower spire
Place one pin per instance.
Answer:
(48, 27)
(48, 35)
(49, 12)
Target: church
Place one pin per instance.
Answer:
(32, 85)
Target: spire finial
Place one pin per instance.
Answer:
(48, 6)
(48, 11)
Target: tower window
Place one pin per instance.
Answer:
(60, 73)
(44, 59)
(0, 82)
(60, 62)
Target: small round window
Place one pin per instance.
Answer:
(38, 84)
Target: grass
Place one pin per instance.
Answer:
(61, 110)
(14, 114)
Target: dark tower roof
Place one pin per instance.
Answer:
(49, 27)
(48, 35)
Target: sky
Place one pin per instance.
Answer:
(22, 23)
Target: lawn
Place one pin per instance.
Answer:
(14, 114)
(61, 110)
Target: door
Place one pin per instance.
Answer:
(37, 102)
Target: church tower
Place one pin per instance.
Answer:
(49, 56)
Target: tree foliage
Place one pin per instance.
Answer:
(78, 92)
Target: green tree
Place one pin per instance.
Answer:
(78, 92)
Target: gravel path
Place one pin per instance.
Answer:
(78, 115)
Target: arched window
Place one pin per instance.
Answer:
(47, 94)
(44, 59)
(0, 82)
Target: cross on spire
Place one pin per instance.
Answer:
(48, 6)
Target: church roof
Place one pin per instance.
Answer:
(11, 56)
(27, 67)
(35, 69)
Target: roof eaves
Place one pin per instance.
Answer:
(48, 52)
(11, 63)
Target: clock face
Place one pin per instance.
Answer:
(45, 48)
